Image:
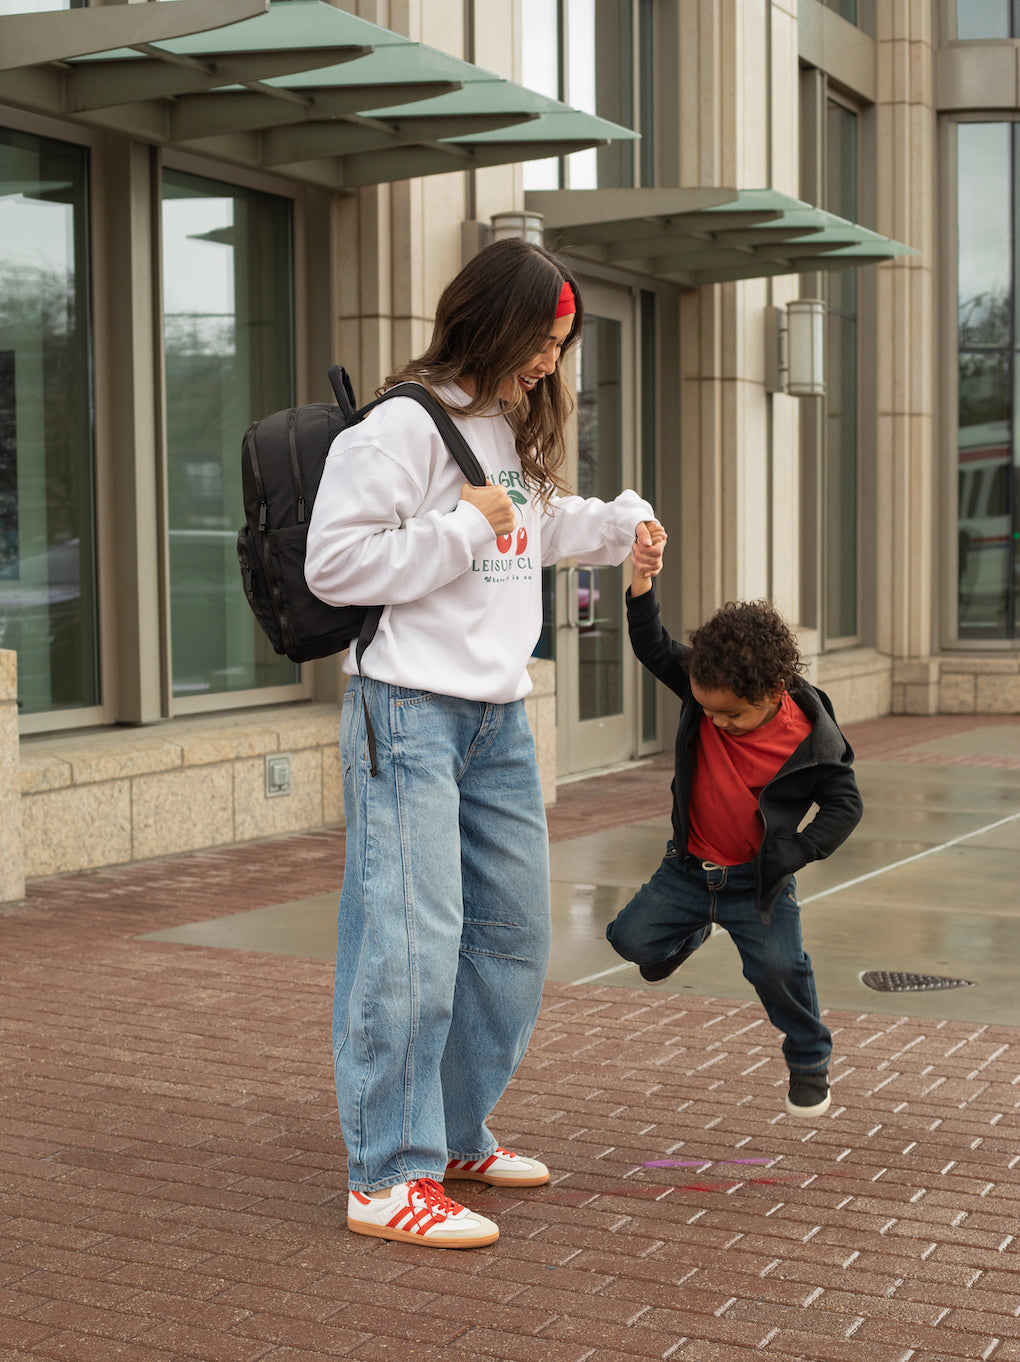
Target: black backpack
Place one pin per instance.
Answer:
(282, 458)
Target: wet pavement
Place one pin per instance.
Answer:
(172, 1183)
(927, 886)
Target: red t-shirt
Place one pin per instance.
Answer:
(729, 775)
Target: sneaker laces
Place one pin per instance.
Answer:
(435, 1199)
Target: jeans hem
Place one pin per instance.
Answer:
(470, 1158)
(360, 1185)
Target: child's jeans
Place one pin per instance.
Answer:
(668, 915)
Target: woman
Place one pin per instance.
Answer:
(444, 914)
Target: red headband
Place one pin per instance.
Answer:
(567, 304)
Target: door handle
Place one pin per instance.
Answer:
(586, 617)
(573, 617)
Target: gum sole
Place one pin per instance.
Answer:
(456, 1176)
(426, 1241)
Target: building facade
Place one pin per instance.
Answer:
(205, 203)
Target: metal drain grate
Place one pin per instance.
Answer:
(888, 981)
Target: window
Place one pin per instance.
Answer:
(840, 471)
(38, 6)
(860, 13)
(583, 52)
(988, 564)
(228, 342)
(976, 19)
(47, 540)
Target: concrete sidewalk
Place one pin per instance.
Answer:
(172, 1183)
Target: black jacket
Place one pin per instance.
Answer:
(820, 771)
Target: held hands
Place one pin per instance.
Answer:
(646, 555)
(494, 504)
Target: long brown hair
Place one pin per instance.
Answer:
(490, 320)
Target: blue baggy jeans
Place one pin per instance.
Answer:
(444, 927)
(668, 915)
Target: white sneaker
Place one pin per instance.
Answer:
(419, 1212)
(501, 1169)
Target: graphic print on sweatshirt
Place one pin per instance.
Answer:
(511, 562)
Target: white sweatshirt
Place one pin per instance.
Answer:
(463, 610)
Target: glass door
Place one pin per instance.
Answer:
(597, 694)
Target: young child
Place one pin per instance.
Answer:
(756, 747)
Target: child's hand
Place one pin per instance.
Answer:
(646, 555)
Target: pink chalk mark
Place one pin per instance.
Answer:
(701, 1163)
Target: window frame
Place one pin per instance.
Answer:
(304, 688)
(945, 553)
(818, 91)
(84, 716)
(642, 15)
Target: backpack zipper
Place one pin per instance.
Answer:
(295, 466)
(253, 459)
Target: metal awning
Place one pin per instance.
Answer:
(706, 236)
(297, 86)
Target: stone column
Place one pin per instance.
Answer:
(727, 71)
(12, 860)
(905, 502)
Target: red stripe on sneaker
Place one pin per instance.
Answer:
(484, 1167)
(360, 1196)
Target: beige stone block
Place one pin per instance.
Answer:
(785, 110)
(258, 815)
(957, 693)
(859, 683)
(916, 671)
(8, 674)
(976, 76)
(182, 810)
(77, 828)
(116, 760)
(43, 773)
(12, 866)
(922, 74)
(332, 787)
(543, 676)
(540, 707)
(998, 695)
(921, 699)
(221, 745)
(992, 666)
(320, 728)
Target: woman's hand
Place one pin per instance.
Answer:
(646, 555)
(494, 503)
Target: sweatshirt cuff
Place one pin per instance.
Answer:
(473, 525)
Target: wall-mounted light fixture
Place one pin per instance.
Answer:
(527, 226)
(795, 348)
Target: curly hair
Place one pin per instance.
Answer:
(748, 648)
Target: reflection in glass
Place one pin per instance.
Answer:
(984, 481)
(540, 70)
(228, 338)
(983, 19)
(47, 545)
(38, 6)
(987, 561)
(985, 233)
(582, 52)
(600, 474)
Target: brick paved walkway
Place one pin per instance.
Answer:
(173, 1184)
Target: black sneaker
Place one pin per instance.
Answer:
(809, 1094)
(655, 974)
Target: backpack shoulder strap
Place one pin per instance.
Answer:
(454, 441)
